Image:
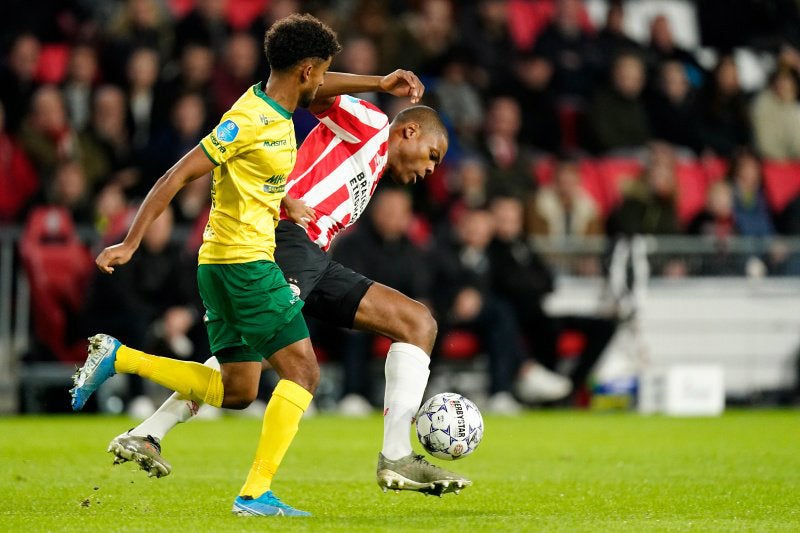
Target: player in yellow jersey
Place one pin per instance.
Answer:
(251, 313)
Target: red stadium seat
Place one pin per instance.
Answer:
(692, 188)
(781, 182)
(527, 19)
(716, 168)
(544, 169)
(53, 60)
(459, 344)
(241, 13)
(612, 174)
(58, 267)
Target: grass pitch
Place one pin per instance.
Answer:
(545, 471)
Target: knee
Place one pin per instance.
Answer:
(419, 327)
(309, 380)
(238, 398)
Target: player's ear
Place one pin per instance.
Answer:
(305, 71)
(410, 130)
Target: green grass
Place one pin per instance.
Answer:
(546, 471)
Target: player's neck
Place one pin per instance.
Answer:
(283, 89)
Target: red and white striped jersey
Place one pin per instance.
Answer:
(339, 165)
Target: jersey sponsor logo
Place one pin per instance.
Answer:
(276, 179)
(274, 189)
(351, 99)
(358, 186)
(216, 143)
(273, 144)
(264, 120)
(275, 184)
(227, 131)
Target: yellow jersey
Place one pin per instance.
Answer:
(254, 148)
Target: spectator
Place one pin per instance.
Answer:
(521, 276)
(510, 162)
(464, 298)
(71, 191)
(725, 121)
(142, 92)
(46, 134)
(673, 110)
(570, 49)
(360, 56)
(428, 34)
(105, 145)
(486, 38)
(17, 79)
(372, 19)
(139, 24)
(776, 117)
(204, 25)
(532, 86)
(18, 181)
(717, 222)
(188, 124)
(380, 249)
(150, 301)
(612, 41)
(648, 204)
(663, 48)
(716, 219)
(194, 76)
(82, 74)
(237, 72)
(564, 209)
(618, 116)
(457, 98)
(749, 203)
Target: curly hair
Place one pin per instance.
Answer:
(298, 37)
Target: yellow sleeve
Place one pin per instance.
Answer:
(234, 133)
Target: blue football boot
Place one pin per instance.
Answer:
(98, 368)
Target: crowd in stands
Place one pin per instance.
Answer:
(564, 123)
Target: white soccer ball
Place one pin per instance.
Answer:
(449, 426)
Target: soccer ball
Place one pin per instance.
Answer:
(449, 426)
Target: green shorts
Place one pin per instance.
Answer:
(251, 312)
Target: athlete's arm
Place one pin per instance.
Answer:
(398, 83)
(192, 166)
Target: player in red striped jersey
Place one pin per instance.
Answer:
(338, 168)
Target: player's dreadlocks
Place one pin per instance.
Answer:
(299, 37)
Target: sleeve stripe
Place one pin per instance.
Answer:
(207, 154)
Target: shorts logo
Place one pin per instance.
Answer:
(293, 284)
(227, 131)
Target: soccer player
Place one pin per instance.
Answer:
(251, 312)
(338, 168)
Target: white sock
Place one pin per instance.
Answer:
(406, 378)
(172, 412)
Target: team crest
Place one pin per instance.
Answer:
(227, 131)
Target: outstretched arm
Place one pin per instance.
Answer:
(398, 83)
(192, 166)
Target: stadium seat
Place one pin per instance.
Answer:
(612, 174)
(528, 18)
(459, 344)
(715, 168)
(781, 182)
(53, 60)
(242, 13)
(692, 189)
(58, 266)
(545, 167)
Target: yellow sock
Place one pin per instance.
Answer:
(192, 380)
(281, 420)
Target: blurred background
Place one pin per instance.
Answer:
(616, 223)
